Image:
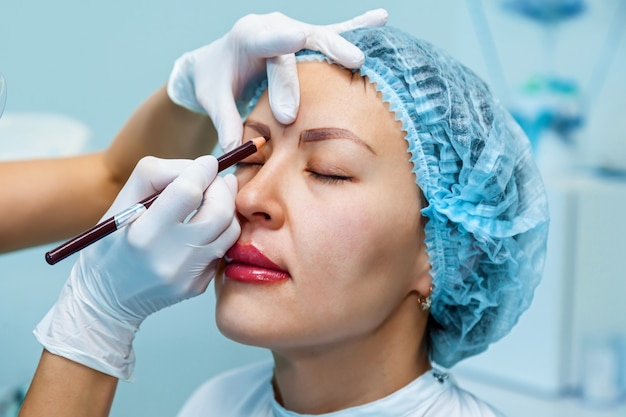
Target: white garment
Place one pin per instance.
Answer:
(248, 392)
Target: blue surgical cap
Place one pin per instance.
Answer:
(486, 204)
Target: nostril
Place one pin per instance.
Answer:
(263, 214)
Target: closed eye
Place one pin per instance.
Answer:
(328, 178)
(240, 166)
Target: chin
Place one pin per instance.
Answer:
(251, 314)
(246, 333)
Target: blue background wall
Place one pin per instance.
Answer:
(97, 61)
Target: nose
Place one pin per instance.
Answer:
(260, 198)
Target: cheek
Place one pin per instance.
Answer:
(361, 218)
(351, 244)
(337, 235)
(355, 269)
(352, 251)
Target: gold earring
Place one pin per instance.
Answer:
(425, 302)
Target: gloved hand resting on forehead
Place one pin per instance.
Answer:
(155, 262)
(211, 78)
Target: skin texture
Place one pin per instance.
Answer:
(339, 210)
(46, 200)
(62, 387)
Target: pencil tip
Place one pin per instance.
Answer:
(260, 141)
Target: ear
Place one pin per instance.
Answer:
(422, 280)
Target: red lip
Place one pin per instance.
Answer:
(248, 264)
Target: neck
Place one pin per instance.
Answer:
(357, 371)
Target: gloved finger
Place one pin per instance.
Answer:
(150, 175)
(276, 41)
(180, 198)
(226, 239)
(335, 47)
(231, 182)
(212, 248)
(217, 248)
(203, 274)
(229, 236)
(283, 88)
(371, 18)
(227, 122)
(327, 40)
(215, 214)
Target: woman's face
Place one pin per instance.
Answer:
(331, 240)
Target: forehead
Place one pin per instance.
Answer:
(331, 96)
(321, 81)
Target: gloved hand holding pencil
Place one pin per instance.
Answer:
(158, 260)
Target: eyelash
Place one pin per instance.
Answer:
(325, 178)
(329, 179)
(242, 165)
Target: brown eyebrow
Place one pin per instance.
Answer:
(325, 133)
(261, 128)
(312, 135)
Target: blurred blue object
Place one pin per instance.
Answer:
(545, 11)
(11, 401)
(549, 103)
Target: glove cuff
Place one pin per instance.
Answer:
(74, 330)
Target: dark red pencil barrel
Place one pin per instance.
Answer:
(229, 159)
(81, 241)
(110, 225)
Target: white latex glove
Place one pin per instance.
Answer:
(208, 80)
(155, 262)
